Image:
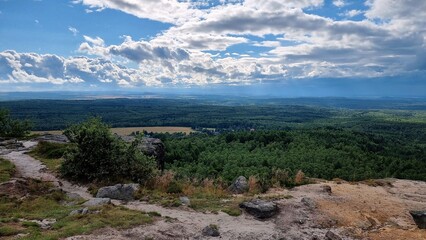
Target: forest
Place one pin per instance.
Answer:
(269, 139)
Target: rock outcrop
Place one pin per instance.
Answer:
(153, 147)
(239, 186)
(8, 145)
(119, 192)
(260, 208)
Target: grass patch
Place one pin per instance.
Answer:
(7, 169)
(49, 154)
(48, 205)
(9, 230)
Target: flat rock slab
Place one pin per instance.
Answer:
(260, 208)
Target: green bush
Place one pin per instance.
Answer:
(11, 127)
(97, 155)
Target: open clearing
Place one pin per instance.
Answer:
(129, 130)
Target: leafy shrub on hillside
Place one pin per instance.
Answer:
(98, 155)
(11, 127)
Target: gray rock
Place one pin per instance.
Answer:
(239, 186)
(332, 236)
(185, 201)
(82, 211)
(419, 218)
(97, 202)
(211, 231)
(119, 191)
(260, 208)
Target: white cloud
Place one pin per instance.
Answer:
(170, 11)
(352, 13)
(73, 30)
(339, 3)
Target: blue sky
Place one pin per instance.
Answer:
(328, 47)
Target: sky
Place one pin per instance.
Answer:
(277, 47)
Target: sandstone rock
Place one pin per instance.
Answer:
(260, 208)
(211, 231)
(419, 218)
(153, 147)
(239, 186)
(97, 202)
(332, 236)
(119, 192)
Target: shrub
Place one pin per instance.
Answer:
(98, 155)
(12, 128)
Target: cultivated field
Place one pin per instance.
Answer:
(129, 130)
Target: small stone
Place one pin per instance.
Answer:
(185, 201)
(332, 236)
(211, 231)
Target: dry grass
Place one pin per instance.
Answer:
(254, 187)
(129, 130)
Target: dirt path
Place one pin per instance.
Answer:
(28, 167)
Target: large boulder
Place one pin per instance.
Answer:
(419, 218)
(239, 186)
(154, 147)
(119, 191)
(260, 208)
